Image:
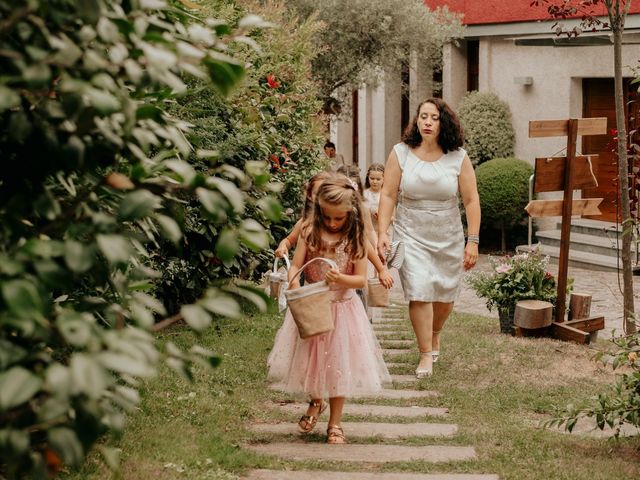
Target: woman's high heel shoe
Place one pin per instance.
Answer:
(425, 367)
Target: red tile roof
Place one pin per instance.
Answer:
(478, 12)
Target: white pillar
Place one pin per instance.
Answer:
(454, 74)
(420, 82)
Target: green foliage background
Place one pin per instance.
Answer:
(488, 128)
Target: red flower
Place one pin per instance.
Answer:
(271, 81)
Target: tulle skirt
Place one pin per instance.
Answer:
(346, 362)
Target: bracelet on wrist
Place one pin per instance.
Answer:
(473, 239)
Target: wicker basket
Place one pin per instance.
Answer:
(276, 278)
(310, 305)
(378, 295)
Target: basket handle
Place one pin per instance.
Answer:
(286, 262)
(326, 260)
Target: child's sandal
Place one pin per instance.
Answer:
(335, 435)
(307, 423)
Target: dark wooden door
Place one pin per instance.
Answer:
(598, 101)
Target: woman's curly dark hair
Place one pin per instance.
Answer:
(451, 136)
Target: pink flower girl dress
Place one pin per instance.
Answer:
(346, 362)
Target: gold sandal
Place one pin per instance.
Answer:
(335, 435)
(307, 423)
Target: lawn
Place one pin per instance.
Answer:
(498, 389)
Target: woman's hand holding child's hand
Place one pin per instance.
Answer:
(385, 278)
(332, 276)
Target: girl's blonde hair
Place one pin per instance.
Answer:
(374, 167)
(338, 191)
(307, 207)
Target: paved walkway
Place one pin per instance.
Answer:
(602, 286)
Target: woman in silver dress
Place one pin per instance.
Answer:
(422, 178)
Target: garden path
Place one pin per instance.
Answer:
(375, 439)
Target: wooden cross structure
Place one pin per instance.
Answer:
(566, 174)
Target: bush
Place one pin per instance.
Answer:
(487, 127)
(503, 185)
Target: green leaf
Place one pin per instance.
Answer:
(111, 457)
(213, 203)
(228, 245)
(225, 72)
(183, 169)
(253, 235)
(256, 296)
(78, 256)
(271, 207)
(232, 193)
(65, 442)
(8, 98)
(87, 376)
(23, 299)
(137, 204)
(58, 380)
(10, 266)
(14, 441)
(10, 353)
(17, 385)
(104, 102)
(118, 362)
(170, 228)
(115, 248)
(196, 317)
(37, 75)
(75, 328)
(222, 305)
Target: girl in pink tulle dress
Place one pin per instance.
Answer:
(346, 362)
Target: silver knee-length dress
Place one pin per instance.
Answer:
(428, 222)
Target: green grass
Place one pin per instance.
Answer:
(498, 389)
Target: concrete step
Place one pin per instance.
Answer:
(593, 227)
(584, 242)
(354, 409)
(320, 475)
(365, 453)
(394, 394)
(367, 429)
(396, 344)
(586, 260)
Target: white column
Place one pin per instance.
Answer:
(454, 74)
(420, 82)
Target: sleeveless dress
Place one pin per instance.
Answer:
(428, 222)
(346, 362)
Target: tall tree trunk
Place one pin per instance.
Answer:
(617, 26)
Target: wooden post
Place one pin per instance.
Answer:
(565, 232)
(579, 306)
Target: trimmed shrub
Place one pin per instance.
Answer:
(503, 185)
(487, 127)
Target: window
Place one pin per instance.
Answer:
(473, 60)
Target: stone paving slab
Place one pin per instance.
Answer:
(297, 409)
(395, 351)
(365, 453)
(367, 429)
(320, 475)
(397, 344)
(394, 394)
(403, 378)
(398, 365)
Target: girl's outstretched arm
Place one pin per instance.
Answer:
(355, 280)
(287, 242)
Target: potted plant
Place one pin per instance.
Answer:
(513, 278)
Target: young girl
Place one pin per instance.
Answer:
(373, 187)
(310, 192)
(347, 361)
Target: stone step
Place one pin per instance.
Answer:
(365, 453)
(367, 430)
(402, 379)
(393, 352)
(584, 242)
(397, 344)
(320, 475)
(584, 260)
(388, 328)
(397, 365)
(364, 410)
(593, 227)
(394, 394)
